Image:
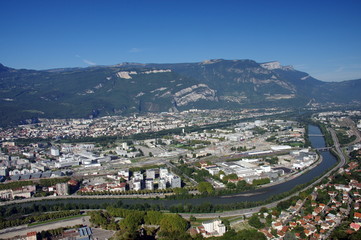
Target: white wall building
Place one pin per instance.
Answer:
(176, 182)
(162, 184)
(149, 184)
(54, 152)
(163, 173)
(214, 227)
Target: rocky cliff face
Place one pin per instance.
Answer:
(131, 87)
(193, 94)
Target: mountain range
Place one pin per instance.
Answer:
(137, 88)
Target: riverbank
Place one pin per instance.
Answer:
(155, 196)
(253, 199)
(295, 174)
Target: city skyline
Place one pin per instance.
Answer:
(318, 38)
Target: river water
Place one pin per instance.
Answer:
(256, 195)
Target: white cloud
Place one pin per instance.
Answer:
(85, 60)
(135, 50)
(89, 62)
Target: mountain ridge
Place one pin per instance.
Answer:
(136, 87)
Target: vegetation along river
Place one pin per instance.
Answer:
(255, 195)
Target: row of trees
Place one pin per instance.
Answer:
(15, 185)
(239, 149)
(41, 183)
(5, 223)
(261, 181)
(47, 182)
(128, 192)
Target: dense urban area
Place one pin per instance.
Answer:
(51, 170)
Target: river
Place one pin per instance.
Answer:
(256, 195)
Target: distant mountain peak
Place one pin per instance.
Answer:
(3, 68)
(211, 61)
(275, 65)
(123, 64)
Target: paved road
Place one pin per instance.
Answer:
(36, 199)
(338, 148)
(24, 229)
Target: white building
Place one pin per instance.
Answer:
(138, 176)
(213, 170)
(281, 147)
(214, 228)
(124, 174)
(176, 182)
(163, 172)
(54, 152)
(4, 171)
(149, 184)
(62, 189)
(265, 168)
(150, 173)
(67, 161)
(125, 146)
(137, 185)
(162, 184)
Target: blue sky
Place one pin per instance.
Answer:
(320, 37)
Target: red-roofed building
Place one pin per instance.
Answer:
(317, 211)
(266, 233)
(284, 229)
(325, 226)
(357, 215)
(318, 219)
(293, 224)
(277, 225)
(307, 232)
(355, 226)
(316, 236)
(301, 222)
(31, 236)
(73, 182)
(281, 233)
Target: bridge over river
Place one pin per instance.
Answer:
(315, 135)
(323, 149)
